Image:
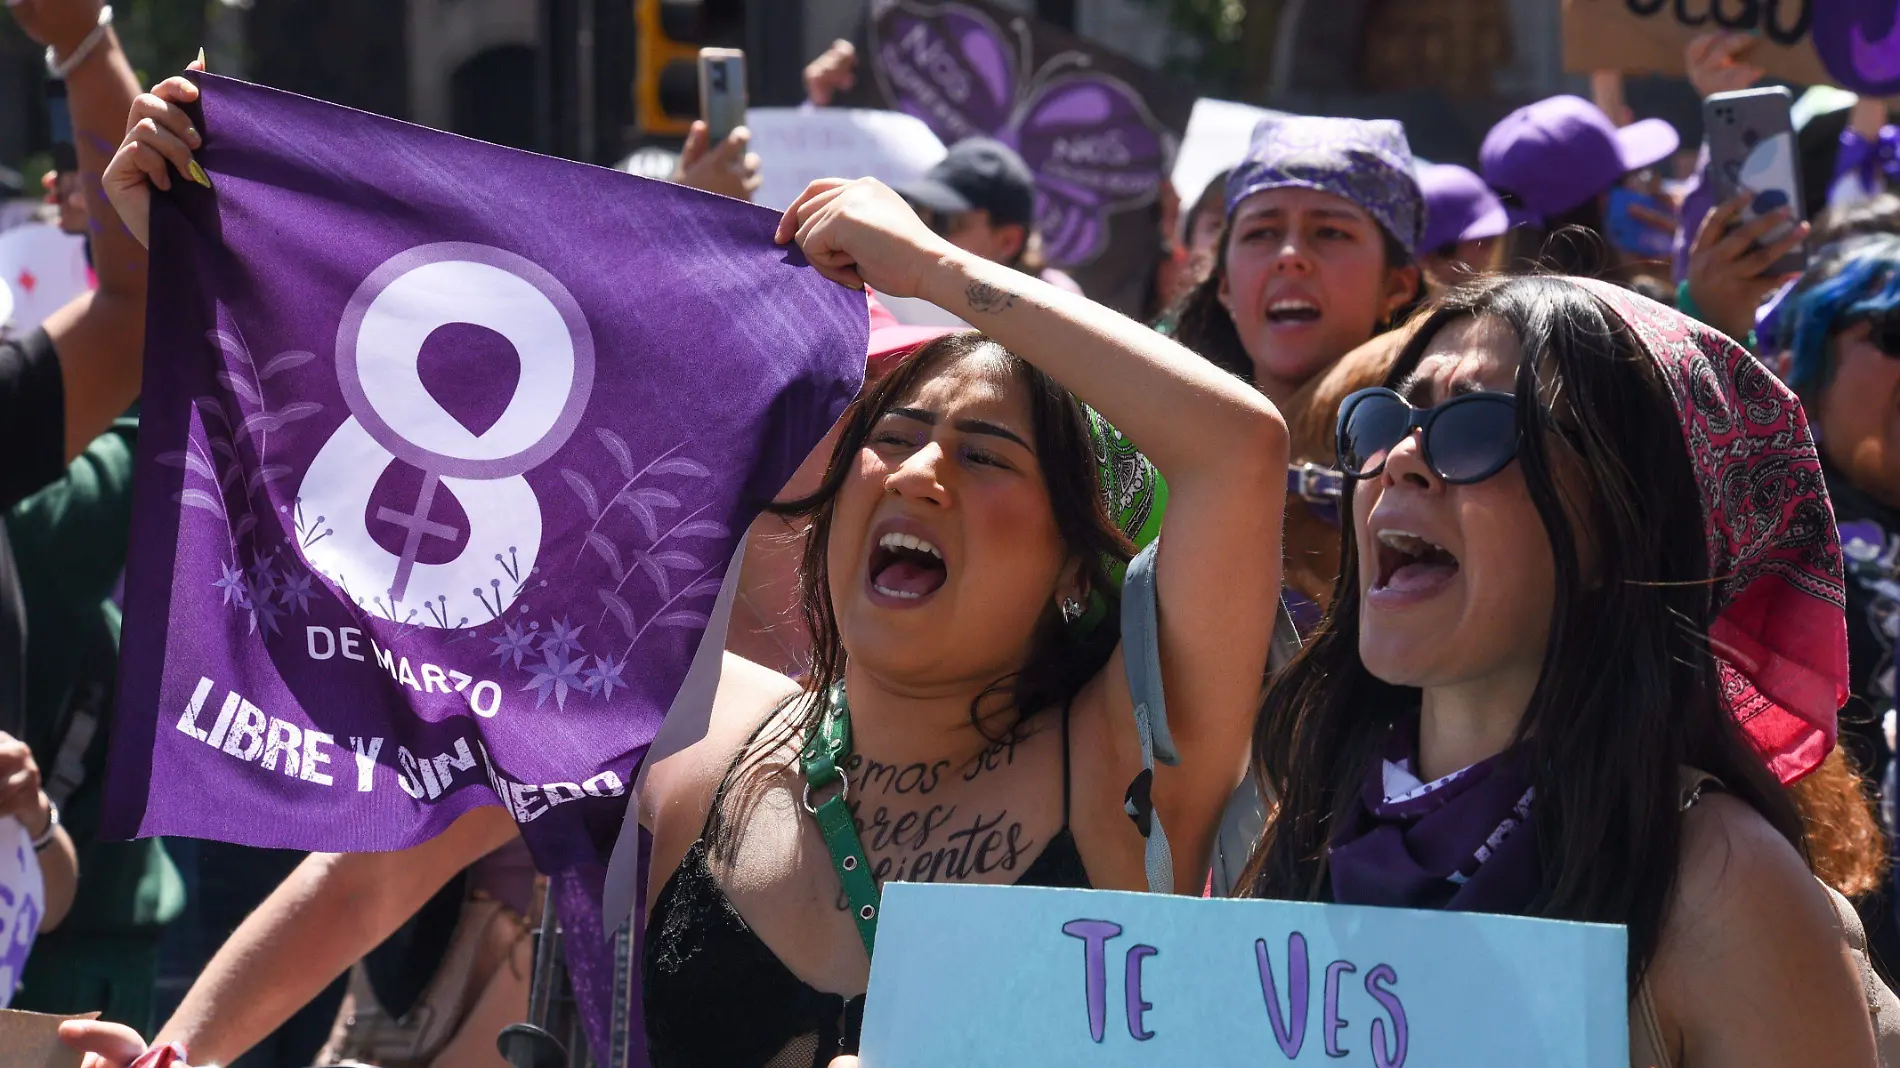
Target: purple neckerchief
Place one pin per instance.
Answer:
(1462, 842)
(1871, 164)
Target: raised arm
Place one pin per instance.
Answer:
(100, 336)
(1220, 444)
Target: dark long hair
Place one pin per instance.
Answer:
(1628, 692)
(1202, 324)
(1060, 661)
(1573, 242)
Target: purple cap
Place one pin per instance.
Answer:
(1458, 207)
(1367, 162)
(1555, 154)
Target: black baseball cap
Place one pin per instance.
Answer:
(979, 174)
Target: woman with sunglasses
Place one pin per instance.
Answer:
(1553, 682)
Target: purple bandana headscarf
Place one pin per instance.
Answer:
(1365, 161)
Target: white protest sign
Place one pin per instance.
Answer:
(42, 269)
(22, 903)
(915, 311)
(1095, 979)
(1217, 136)
(797, 146)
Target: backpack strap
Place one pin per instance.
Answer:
(1141, 653)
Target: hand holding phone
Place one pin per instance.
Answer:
(1752, 151)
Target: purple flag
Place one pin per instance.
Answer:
(446, 448)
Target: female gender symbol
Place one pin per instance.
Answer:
(394, 417)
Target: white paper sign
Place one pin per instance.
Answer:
(42, 270)
(915, 311)
(798, 146)
(22, 903)
(1217, 135)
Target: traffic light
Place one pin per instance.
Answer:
(671, 33)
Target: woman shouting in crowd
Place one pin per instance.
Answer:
(967, 716)
(1536, 689)
(1315, 256)
(957, 585)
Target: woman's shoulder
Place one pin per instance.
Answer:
(697, 745)
(1753, 962)
(1736, 868)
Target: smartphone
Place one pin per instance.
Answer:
(59, 125)
(1752, 149)
(59, 116)
(722, 92)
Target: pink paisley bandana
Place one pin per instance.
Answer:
(1780, 635)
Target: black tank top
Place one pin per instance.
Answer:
(716, 997)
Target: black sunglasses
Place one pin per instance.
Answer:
(1466, 439)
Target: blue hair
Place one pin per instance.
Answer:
(1850, 281)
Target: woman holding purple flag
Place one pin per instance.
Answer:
(1467, 729)
(968, 714)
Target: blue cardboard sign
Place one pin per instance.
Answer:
(1000, 975)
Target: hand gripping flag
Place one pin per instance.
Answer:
(446, 449)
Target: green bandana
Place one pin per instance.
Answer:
(1133, 493)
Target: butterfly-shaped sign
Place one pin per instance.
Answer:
(1099, 131)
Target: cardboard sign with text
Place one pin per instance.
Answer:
(1851, 43)
(1088, 978)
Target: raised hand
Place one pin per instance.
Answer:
(158, 136)
(727, 168)
(1715, 64)
(833, 72)
(860, 233)
(61, 24)
(1726, 279)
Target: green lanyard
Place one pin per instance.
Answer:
(824, 752)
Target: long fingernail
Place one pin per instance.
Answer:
(197, 174)
(191, 134)
(201, 56)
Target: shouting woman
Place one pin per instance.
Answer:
(967, 716)
(1553, 682)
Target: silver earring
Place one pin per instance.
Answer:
(1072, 610)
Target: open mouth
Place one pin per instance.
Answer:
(1409, 563)
(905, 567)
(1291, 311)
